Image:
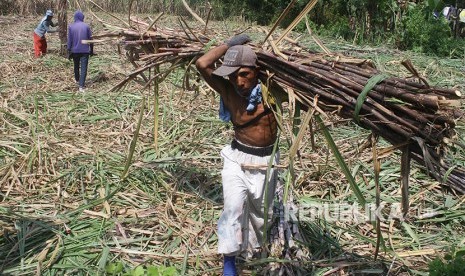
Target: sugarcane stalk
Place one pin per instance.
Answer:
(405, 174)
(358, 83)
(376, 170)
(132, 146)
(375, 111)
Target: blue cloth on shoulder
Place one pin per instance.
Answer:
(255, 98)
(224, 113)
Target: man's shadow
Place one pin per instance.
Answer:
(191, 178)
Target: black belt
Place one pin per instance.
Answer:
(265, 151)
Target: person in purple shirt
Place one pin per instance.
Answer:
(78, 51)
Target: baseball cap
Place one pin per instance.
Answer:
(235, 58)
(49, 13)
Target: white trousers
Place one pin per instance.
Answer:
(241, 223)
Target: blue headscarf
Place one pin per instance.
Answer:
(78, 16)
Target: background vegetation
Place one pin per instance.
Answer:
(407, 25)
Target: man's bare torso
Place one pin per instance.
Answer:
(261, 133)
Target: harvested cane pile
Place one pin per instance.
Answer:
(406, 113)
(411, 115)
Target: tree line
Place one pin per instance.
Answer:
(404, 24)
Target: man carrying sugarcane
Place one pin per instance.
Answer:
(246, 192)
(40, 42)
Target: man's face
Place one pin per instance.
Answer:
(244, 80)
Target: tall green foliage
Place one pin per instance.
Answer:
(423, 33)
(409, 24)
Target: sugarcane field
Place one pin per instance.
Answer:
(122, 151)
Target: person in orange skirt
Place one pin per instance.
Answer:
(40, 43)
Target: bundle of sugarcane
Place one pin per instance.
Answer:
(412, 114)
(406, 113)
(402, 111)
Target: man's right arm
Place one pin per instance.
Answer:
(49, 24)
(206, 65)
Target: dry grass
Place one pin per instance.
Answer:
(65, 208)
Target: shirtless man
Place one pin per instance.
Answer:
(241, 225)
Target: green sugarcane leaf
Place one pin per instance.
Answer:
(411, 233)
(103, 259)
(340, 161)
(184, 264)
(372, 82)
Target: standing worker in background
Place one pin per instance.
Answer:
(245, 193)
(40, 43)
(78, 51)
